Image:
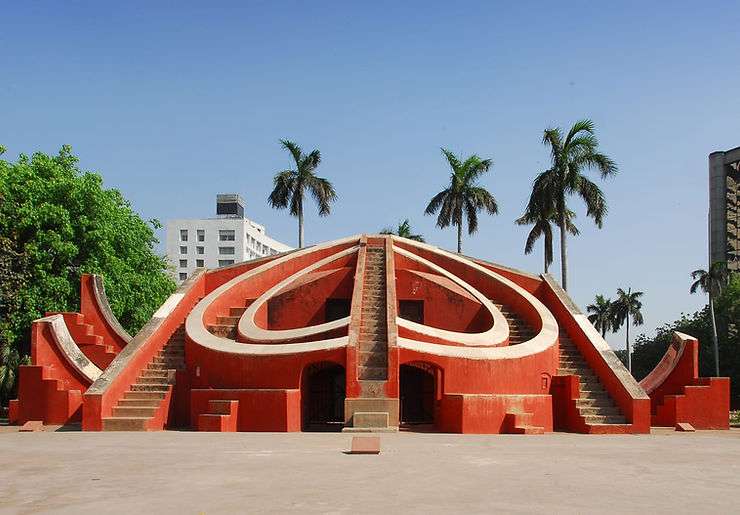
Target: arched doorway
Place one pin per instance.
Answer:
(418, 394)
(322, 393)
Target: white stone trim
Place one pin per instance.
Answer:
(249, 329)
(543, 340)
(498, 334)
(69, 349)
(197, 332)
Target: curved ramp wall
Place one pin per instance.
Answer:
(678, 394)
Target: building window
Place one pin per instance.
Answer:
(199, 250)
(226, 250)
(201, 235)
(183, 276)
(183, 250)
(199, 263)
(183, 235)
(226, 235)
(183, 263)
(225, 262)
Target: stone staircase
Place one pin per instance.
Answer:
(225, 325)
(92, 345)
(145, 403)
(595, 405)
(373, 338)
(519, 330)
(520, 423)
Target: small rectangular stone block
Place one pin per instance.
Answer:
(365, 445)
(370, 419)
(685, 427)
(32, 426)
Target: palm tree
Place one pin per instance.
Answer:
(627, 304)
(602, 315)
(711, 283)
(290, 186)
(541, 218)
(404, 231)
(463, 196)
(571, 156)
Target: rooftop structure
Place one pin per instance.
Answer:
(215, 242)
(724, 208)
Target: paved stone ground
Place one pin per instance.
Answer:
(181, 472)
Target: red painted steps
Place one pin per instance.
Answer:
(92, 345)
(373, 338)
(145, 406)
(597, 409)
(520, 423)
(221, 416)
(226, 324)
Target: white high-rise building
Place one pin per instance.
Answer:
(215, 242)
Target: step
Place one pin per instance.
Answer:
(528, 430)
(587, 403)
(228, 320)
(150, 387)
(156, 365)
(125, 423)
(154, 372)
(236, 312)
(373, 359)
(140, 403)
(600, 410)
(608, 419)
(134, 411)
(374, 347)
(373, 373)
(151, 380)
(594, 394)
(141, 395)
(370, 419)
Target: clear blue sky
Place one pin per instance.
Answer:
(176, 102)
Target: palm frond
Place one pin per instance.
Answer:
(294, 150)
(594, 199)
(436, 202)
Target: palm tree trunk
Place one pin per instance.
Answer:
(715, 343)
(629, 350)
(459, 238)
(300, 228)
(563, 251)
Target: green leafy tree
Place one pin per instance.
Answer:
(627, 305)
(541, 214)
(290, 186)
(711, 282)
(571, 156)
(601, 315)
(648, 350)
(58, 222)
(404, 231)
(463, 197)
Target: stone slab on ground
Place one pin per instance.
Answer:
(32, 426)
(365, 445)
(213, 473)
(685, 427)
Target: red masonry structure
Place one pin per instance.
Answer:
(679, 395)
(365, 333)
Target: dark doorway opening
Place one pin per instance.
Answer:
(323, 392)
(418, 395)
(336, 309)
(411, 310)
